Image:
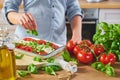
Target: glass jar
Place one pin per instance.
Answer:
(7, 59)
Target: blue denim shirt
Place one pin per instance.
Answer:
(49, 16)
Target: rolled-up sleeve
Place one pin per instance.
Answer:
(10, 5)
(73, 9)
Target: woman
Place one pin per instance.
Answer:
(45, 16)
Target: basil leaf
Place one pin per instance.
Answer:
(33, 32)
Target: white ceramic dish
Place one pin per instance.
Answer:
(60, 49)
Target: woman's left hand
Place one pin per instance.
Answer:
(76, 39)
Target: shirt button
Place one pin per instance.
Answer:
(53, 6)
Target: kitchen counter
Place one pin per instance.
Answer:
(85, 4)
(85, 72)
(103, 4)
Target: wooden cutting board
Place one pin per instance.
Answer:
(22, 64)
(26, 60)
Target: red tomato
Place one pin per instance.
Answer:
(29, 39)
(41, 42)
(85, 56)
(78, 48)
(70, 46)
(20, 47)
(54, 46)
(42, 53)
(110, 58)
(28, 48)
(97, 48)
(85, 43)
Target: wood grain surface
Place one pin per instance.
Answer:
(85, 72)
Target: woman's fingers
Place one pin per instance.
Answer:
(27, 21)
(32, 20)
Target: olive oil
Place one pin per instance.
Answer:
(7, 64)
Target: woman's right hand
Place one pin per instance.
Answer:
(24, 19)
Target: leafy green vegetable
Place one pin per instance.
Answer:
(37, 58)
(109, 70)
(50, 60)
(19, 56)
(33, 32)
(66, 56)
(23, 73)
(109, 36)
(97, 65)
(32, 68)
(49, 70)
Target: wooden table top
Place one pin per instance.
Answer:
(85, 72)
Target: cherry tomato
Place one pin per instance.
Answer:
(85, 56)
(97, 48)
(85, 43)
(70, 46)
(28, 48)
(78, 48)
(54, 46)
(41, 42)
(28, 39)
(42, 53)
(20, 46)
(110, 58)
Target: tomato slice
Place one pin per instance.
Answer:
(28, 48)
(54, 46)
(42, 53)
(28, 39)
(41, 42)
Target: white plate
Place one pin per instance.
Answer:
(60, 49)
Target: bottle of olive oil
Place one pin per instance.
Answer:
(7, 63)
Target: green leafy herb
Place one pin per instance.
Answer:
(50, 60)
(23, 73)
(97, 65)
(19, 56)
(109, 36)
(109, 70)
(32, 68)
(33, 32)
(37, 58)
(66, 56)
(49, 70)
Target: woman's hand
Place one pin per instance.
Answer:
(76, 38)
(76, 26)
(24, 19)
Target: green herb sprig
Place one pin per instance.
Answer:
(109, 36)
(33, 32)
(109, 70)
